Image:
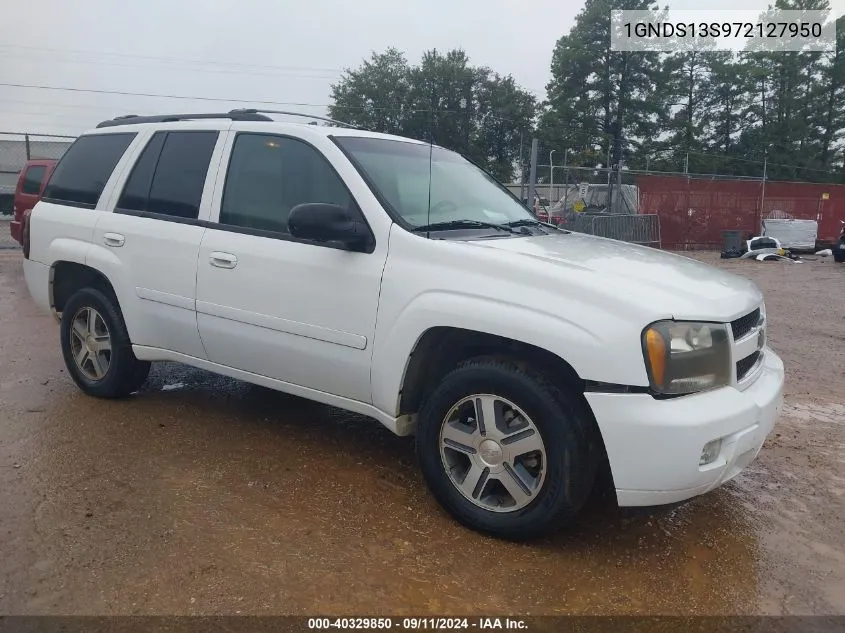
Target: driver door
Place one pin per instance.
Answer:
(275, 305)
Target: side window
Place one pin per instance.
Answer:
(32, 180)
(269, 175)
(83, 171)
(136, 192)
(169, 176)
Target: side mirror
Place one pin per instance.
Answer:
(325, 222)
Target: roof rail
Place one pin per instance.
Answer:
(253, 111)
(234, 115)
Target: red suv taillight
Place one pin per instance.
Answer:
(25, 233)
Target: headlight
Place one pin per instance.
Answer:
(684, 357)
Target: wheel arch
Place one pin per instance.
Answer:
(67, 277)
(441, 349)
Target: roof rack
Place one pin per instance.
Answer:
(234, 115)
(254, 111)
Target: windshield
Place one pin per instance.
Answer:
(459, 190)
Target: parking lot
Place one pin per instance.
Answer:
(203, 495)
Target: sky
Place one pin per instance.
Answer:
(285, 53)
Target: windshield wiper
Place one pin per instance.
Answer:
(462, 224)
(525, 222)
(532, 222)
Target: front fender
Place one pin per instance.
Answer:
(577, 343)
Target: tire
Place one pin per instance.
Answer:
(839, 253)
(113, 373)
(566, 431)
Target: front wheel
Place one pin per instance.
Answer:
(505, 451)
(839, 251)
(96, 346)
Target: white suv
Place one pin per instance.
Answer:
(396, 279)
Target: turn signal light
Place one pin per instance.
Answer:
(656, 348)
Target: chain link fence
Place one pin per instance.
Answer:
(638, 229)
(18, 147)
(594, 200)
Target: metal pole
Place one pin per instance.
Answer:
(565, 181)
(551, 178)
(532, 173)
(521, 170)
(762, 193)
(619, 179)
(686, 164)
(647, 162)
(26, 141)
(609, 184)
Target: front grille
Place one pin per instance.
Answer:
(746, 364)
(743, 325)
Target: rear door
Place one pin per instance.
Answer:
(155, 231)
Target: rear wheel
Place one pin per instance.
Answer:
(504, 451)
(839, 251)
(96, 346)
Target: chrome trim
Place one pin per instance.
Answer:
(752, 332)
(736, 344)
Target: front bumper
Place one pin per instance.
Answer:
(654, 445)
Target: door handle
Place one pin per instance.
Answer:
(223, 260)
(114, 240)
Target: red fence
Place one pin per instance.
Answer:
(694, 211)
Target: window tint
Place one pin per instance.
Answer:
(137, 189)
(180, 173)
(269, 175)
(32, 180)
(83, 171)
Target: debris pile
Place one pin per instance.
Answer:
(762, 248)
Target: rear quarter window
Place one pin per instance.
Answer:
(82, 173)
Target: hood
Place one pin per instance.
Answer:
(672, 285)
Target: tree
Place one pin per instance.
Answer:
(788, 84)
(445, 100)
(829, 93)
(688, 94)
(374, 95)
(600, 98)
(442, 100)
(726, 112)
(504, 113)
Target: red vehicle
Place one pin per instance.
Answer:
(31, 182)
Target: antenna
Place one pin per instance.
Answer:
(430, 154)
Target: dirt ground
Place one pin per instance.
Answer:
(203, 495)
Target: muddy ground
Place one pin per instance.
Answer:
(203, 495)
